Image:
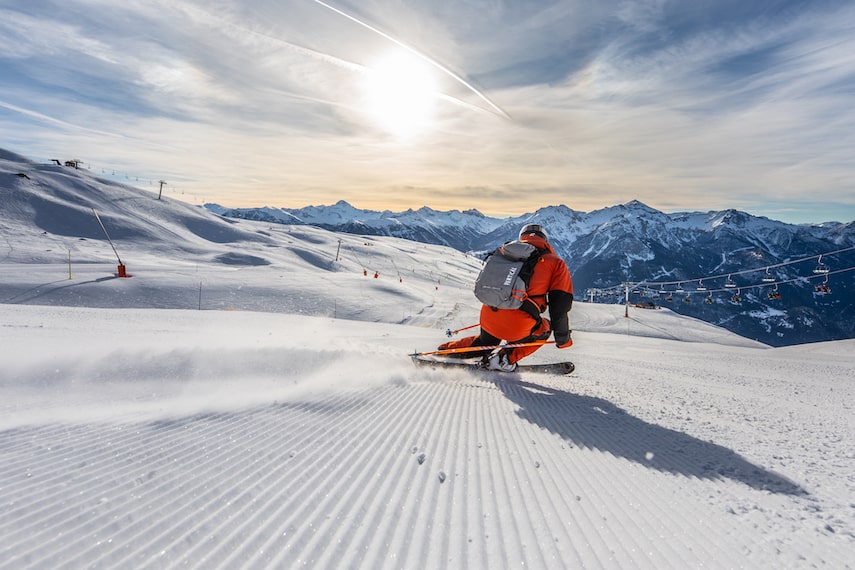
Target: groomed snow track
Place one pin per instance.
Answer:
(538, 476)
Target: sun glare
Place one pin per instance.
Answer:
(400, 94)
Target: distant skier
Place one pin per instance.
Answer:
(548, 286)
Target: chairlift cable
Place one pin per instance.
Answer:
(744, 271)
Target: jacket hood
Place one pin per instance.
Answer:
(537, 242)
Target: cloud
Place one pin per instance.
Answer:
(706, 106)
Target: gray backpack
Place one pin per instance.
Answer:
(504, 278)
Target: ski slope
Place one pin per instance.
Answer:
(249, 403)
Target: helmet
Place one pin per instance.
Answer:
(536, 229)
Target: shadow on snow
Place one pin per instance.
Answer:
(594, 423)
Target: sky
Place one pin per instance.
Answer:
(504, 107)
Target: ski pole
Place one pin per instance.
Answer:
(482, 348)
(450, 333)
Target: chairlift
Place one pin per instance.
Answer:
(729, 284)
(774, 295)
(701, 286)
(737, 298)
(821, 268)
(687, 299)
(823, 288)
(709, 299)
(768, 278)
(679, 288)
(669, 298)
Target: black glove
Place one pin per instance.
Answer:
(563, 340)
(560, 303)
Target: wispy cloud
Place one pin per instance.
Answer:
(705, 105)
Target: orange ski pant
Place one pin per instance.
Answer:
(512, 325)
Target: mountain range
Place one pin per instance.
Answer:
(703, 258)
(729, 268)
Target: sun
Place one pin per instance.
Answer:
(400, 94)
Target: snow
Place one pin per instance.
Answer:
(249, 403)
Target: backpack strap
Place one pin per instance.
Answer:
(529, 306)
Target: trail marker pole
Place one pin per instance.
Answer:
(626, 301)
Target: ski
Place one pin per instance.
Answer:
(558, 368)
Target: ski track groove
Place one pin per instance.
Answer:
(192, 497)
(241, 485)
(384, 549)
(319, 481)
(518, 465)
(535, 469)
(391, 538)
(435, 463)
(557, 530)
(506, 523)
(600, 465)
(318, 459)
(86, 492)
(357, 487)
(436, 511)
(426, 482)
(569, 471)
(218, 499)
(155, 509)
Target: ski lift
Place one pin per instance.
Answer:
(737, 298)
(774, 295)
(701, 286)
(729, 284)
(669, 298)
(821, 268)
(768, 278)
(679, 288)
(687, 299)
(823, 288)
(709, 299)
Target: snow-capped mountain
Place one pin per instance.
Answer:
(624, 243)
(461, 230)
(634, 243)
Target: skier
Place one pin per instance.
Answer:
(550, 287)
